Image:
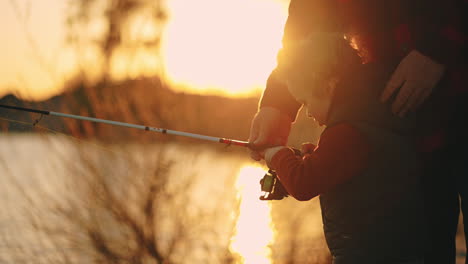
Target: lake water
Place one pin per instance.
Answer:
(208, 210)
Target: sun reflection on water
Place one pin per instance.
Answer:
(254, 230)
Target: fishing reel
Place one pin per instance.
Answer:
(271, 187)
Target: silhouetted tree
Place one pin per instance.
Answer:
(118, 208)
(115, 18)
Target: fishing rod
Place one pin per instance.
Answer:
(141, 127)
(270, 186)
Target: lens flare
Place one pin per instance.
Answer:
(254, 232)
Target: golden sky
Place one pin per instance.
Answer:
(209, 45)
(32, 52)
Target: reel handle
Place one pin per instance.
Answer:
(271, 187)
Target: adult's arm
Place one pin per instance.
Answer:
(442, 29)
(305, 18)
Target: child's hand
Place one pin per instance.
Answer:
(270, 152)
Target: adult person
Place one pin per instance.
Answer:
(425, 42)
(371, 199)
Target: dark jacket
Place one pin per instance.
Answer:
(366, 170)
(377, 216)
(385, 32)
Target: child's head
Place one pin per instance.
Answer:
(312, 67)
(316, 98)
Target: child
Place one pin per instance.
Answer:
(365, 167)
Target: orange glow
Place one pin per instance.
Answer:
(222, 45)
(254, 229)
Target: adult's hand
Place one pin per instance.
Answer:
(270, 127)
(415, 77)
(307, 148)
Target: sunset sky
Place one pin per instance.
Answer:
(208, 45)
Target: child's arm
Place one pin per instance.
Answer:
(342, 153)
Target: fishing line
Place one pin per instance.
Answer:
(117, 152)
(76, 139)
(35, 124)
(271, 187)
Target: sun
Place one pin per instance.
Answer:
(222, 45)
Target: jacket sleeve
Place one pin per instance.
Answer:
(305, 17)
(342, 153)
(442, 28)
